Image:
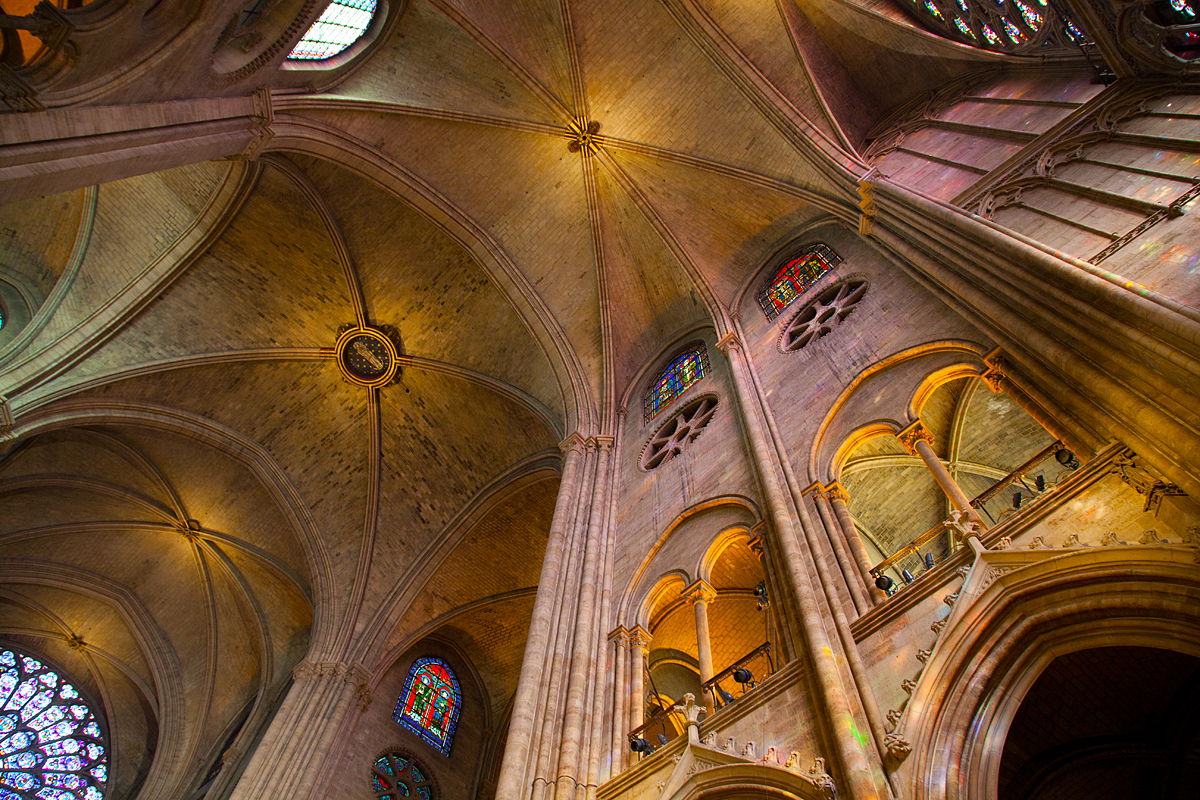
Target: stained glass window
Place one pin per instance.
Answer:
(397, 774)
(685, 369)
(430, 703)
(340, 26)
(51, 746)
(795, 277)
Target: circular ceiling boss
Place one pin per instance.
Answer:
(367, 356)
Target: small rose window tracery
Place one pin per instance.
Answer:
(397, 774)
(683, 428)
(822, 315)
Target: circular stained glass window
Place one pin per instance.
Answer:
(51, 746)
(395, 775)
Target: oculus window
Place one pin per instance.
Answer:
(341, 25)
(397, 774)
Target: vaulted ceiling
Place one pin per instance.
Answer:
(188, 441)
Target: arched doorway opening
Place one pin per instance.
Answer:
(1107, 722)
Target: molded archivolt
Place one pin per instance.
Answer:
(995, 648)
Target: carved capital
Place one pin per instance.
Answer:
(16, 93)
(997, 373)
(691, 711)
(7, 422)
(601, 443)
(573, 442)
(913, 433)
(619, 636)
(963, 526)
(835, 492)
(639, 637)
(264, 118)
(700, 592)
(729, 341)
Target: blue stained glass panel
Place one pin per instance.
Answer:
(684, 370)
(430, 703)
(43, 756)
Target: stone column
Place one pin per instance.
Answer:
(511, 782)
(701, 594)
(833, 531)
(581, 666)
(918, 441)
(617, 745)
(639, 646)
(834, 701)
(839, 500)
(999, 378)
(288, 760)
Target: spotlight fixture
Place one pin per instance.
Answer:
(1066, 458)
(908, 577)
(639, 745)
(1039, 483)
(662, 740)
(1016, 499)
(744, 676)
(760, 595)
(885, 583)
(726, 697)
(930, 561)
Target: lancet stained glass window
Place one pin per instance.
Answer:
(795, 277)
(340, 26)
(51, 746)
(685, 369)
(430, 703)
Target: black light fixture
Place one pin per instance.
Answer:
(930, 561)
(760, 595)
(639, 745)
(743, 675)
(726, 697)
(1066, 458)
(907, 576)
(1016, 499)
(1040, 483)
(661, 739)
(885, 583)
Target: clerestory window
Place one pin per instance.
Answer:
(684, 370)
(795, 278)
(430, 703)
(342, 24)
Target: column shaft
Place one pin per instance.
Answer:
(830, 690)
(511, 783)
(620, 691)
(857, 546)
(858, 594)
(639, 643)
(581, 665)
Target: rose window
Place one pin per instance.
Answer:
(396, 774)
(823, 314)
(679, 431)
(51, 745)
(1011, 26)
